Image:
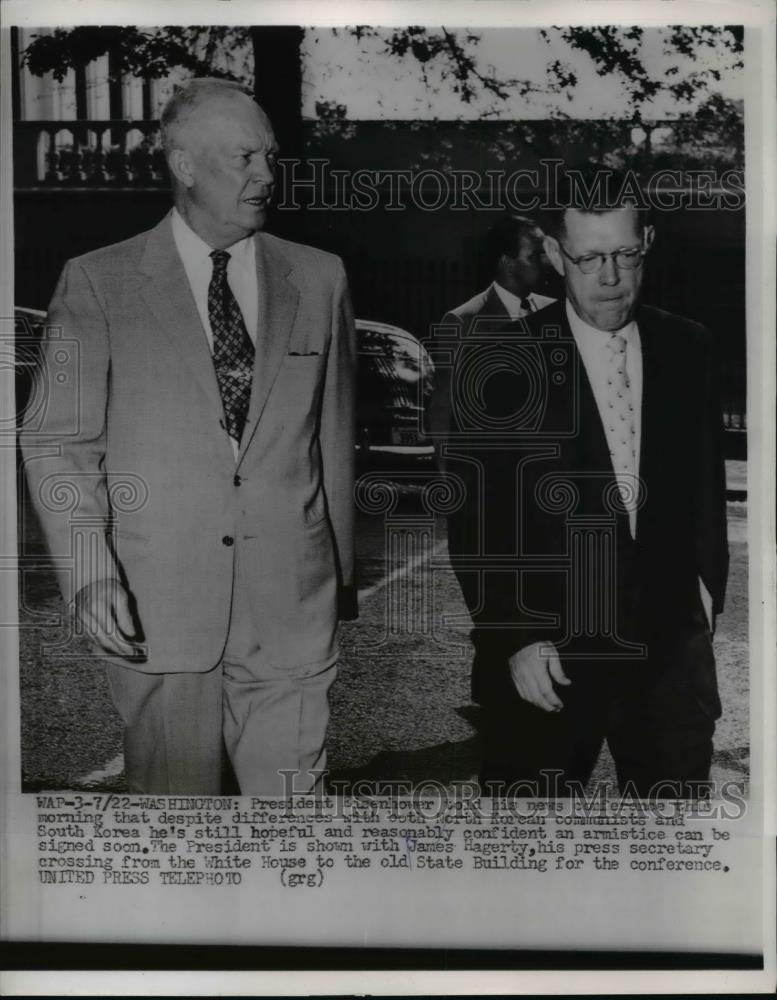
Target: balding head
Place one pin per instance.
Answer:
(221, 151)
(190, 104)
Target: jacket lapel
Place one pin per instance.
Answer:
(654, 402)
(168, 295)
(493, 306)
(588, 451)
(278, 301)
(491, 317)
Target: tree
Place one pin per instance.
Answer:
(617, 52)
(261, 56)
(254, 56)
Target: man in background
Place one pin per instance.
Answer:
(217, 376)
(513, 254)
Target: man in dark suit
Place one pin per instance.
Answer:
(513, 257)
(512, 254)
(217, 378)
(591, 542)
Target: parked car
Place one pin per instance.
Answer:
(394, 381)
(28, 324)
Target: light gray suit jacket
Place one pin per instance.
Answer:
(133, 475)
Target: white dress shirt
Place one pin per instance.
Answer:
(241, 278)
(591, 343)
(241, 274)
(517, 306)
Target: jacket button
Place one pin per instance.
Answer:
(228, 540)
(237, 480)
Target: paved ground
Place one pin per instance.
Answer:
(400, 707)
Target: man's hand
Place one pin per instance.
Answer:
(103, 609)
(532, 674)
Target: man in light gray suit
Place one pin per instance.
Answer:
(216, 369)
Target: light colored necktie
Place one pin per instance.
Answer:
(620, 418)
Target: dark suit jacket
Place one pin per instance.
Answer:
(541, 543)
(477, 316)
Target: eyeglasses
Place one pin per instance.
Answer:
(627, 258)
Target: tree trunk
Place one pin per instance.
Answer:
(278, 82)
(278, 89)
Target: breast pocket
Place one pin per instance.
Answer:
(297, 390)
(302, 367)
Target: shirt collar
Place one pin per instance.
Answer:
(514, 304)
(582, 329)
(193, 248)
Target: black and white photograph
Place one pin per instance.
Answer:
(392, 439)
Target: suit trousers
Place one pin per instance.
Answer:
(272, 722)
(657, 716)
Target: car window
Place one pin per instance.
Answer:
(407, 357)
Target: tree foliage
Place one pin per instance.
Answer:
(149, 54)
(616, 53)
